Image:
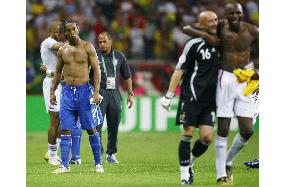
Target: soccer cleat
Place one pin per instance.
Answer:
(184, 182)
(76, 162)
(61, 169)
(46, 157)
(99, 168)
(229, 174)
(223, 181)
(54, 160)
(111, 159)
(254, 164)
(191, 174)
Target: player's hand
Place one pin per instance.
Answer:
(53, 99)
(97, 98)
(255, 76)
(42, 68)
(129, 101)
(166, 102)
(211, 39)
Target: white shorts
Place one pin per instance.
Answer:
(230, 99)
(47, 83)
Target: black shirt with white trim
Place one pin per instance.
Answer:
(200, 63)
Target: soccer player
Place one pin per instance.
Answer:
(198, 68)
(236, 39)
(48, 51)
(74, 59)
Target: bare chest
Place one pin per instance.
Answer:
(74, 55)
(239, 42)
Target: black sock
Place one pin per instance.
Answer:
(184, 150)
(199, 148)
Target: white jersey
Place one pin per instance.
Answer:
(48, 56)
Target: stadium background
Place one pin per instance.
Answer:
(148, 32)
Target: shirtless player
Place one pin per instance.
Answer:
(236, 39)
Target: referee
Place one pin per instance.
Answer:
(198, 68)
(112, 64)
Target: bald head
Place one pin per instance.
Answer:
(233, 7)
(54, 29)
(208, 21)
(234, 14)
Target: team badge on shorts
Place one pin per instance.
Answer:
(182, 117)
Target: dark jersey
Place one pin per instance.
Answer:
(115, 64)
(200, 63)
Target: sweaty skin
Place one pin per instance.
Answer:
(235, 38)
(76, 56)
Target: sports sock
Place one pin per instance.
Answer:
(199, 148)
(65, 146)
(96, 147)
(238, 143)
(184, 156)
(221, 150)
(76, 135)
(58, 143)
(52, 150)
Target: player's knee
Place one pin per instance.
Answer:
(92, 131)
(65, 132)
(207, 139)
(223, 130)
(246, 135)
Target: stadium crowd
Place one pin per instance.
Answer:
(141, 29)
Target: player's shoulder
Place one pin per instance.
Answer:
(251, 28)
(193, 42)
(48, 40)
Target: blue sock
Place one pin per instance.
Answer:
(65, 146)
(96, 147)
(76, 135)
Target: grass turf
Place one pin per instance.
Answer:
(146, 159)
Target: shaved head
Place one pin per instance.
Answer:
(55, 25)
(208, 21)
(233, 6)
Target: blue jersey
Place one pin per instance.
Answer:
(75, 102)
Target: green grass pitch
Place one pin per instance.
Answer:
(146, 159)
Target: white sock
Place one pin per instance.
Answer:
(238, 143)
(221, 153)
(58, 140)
(52, 150)
(184, 172)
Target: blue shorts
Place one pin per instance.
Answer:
(74, 103)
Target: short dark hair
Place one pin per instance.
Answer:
(69, 21)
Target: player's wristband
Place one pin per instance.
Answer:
(48, 72)
(170, 95)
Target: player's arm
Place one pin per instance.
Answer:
(255, 33)
(57, 77)
(194, 31)
(56, 46)
(93, 60)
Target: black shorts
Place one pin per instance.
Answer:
(191, 114)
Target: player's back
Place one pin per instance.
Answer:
(48, 55)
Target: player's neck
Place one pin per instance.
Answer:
(108, 51)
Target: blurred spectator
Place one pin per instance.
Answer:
(141, 29)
